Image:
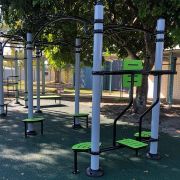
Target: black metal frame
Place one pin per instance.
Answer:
(132, 73)
(125, 28)
(57, 19)
(143, 72)
(76, 171)
(151, 107)
(125, 110)
(8, 83)
(157, 73)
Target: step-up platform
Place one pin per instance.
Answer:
(131, 143)
(144, 135)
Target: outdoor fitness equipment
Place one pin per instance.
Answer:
(2, 104)
(12, 81)
(38, 55)
(94, 170)
(9, 38)
(77, 115)
(1, 84)
(32, 41)
(141, 135)
(136, 65)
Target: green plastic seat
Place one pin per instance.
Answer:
(35, 119)
(80, 115)
(85, 146)
(131, 143)
(144, 134)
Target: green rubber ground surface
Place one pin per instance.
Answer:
(51, 157)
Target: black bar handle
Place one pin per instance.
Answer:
(124, 111)
(152, 106)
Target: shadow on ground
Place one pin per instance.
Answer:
(50, 156)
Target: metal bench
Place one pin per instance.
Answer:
(55, 97)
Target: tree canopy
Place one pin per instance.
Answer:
(29, 15)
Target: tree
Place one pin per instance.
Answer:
(31, 15)
(22, 16)
(141, 45)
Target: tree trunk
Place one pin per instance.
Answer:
(57, 76)
(141, 92)
(141, 96)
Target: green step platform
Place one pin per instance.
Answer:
(144, 134)
(131, 143)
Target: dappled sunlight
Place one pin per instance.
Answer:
(135, 159)
(47, 156)
(176, 169)
(55, 120)
(53, 151)
(171, 114)
(51, 156)
(30, 157)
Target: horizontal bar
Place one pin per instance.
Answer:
(12, 58)
(15, 47)
(13, 76)
(110, 148)
(143, 72)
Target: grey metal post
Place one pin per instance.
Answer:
(25, 79)
(94, 169)
(110, 79)
(171, 80)
(156, 110)
(43, 76)
(38, 80)
(77, 80)
(30, 80)
(1, 82)
(16, 77)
